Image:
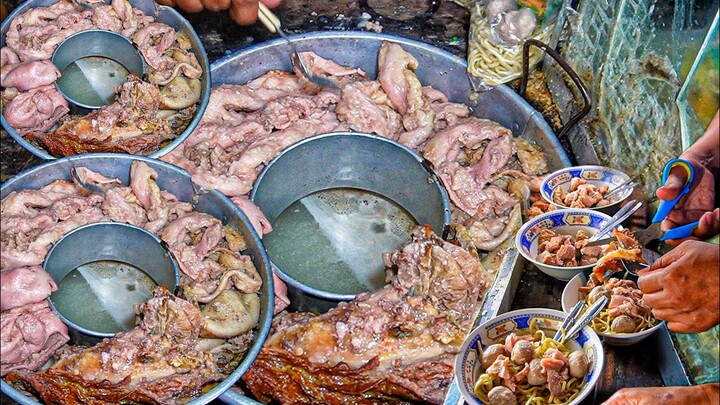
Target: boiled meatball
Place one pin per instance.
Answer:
(522, 352)
(536, 376)
(578, 364)
(515, 26)
(501, 396)
(623, 324)
(491, 353)
(495, 7)
(596, 293)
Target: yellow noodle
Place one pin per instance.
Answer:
(482, 386)
(603, 322)
(494, 63)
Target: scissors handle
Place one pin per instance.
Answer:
(680, 232)
(666, 206)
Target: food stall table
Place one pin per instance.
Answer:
(443, 24)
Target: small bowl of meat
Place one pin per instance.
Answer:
(555, 241)
(625, 320)
(585, 187)
(513, 359)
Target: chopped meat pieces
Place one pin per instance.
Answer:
(565, 250)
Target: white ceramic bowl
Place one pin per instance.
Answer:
(467, 363)
(564, 222)
(571, 296)
(596, 175)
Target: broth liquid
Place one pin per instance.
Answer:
(100, 296)
(333, 240)
(92, 80)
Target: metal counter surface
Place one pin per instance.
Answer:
(440, 23)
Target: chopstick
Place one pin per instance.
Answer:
(268, 18)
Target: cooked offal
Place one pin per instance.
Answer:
(566, 250)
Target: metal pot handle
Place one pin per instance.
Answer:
(570, 72)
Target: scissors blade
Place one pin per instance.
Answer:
(600, 242)
(649, 234)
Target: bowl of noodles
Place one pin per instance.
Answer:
(536, 369)
(625, 320)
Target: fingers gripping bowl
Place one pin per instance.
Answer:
(570, 224)
(218, 213)
(469, 362)
(104, 100)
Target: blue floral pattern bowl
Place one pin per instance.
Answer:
(565, 222)
(571, 295)
(467, 363)
(596, 175)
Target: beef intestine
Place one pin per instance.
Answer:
(177, 347)
(247, 125)
(33, 36)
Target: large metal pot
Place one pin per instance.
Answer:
(437, 68)
(163, 14)
(176, 181)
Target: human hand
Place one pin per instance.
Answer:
(683, 287)
(691, 207)
(244, 12)
(699, 394)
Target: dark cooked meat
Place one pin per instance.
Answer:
(154, 363)
(130, 125)
(396, 344)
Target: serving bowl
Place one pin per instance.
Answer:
(127, 263)
(363, 195)
(562, 222)
(163, 14)
(571, 295)
(468, 360)
(596, 175)
(176, 181)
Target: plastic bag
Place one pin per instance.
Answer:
(498, 29)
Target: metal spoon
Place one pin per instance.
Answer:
(624, 186)
(79, 180)
(586, 318)
(272, 23)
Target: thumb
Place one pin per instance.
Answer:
(673, 185)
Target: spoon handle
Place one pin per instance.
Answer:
(588, 316)
(569, 320)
